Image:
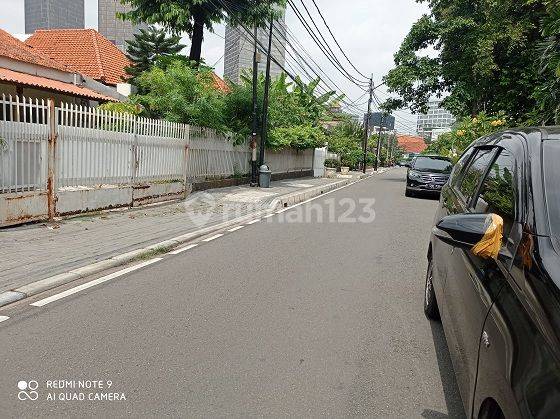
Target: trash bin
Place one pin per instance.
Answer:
(264, 176)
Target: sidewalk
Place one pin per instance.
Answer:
(34, 252)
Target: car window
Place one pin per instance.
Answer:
(432, 164)
(474, 173)
(458, 168)
(498, 191)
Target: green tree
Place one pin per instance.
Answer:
(488, 59)
(295, 112)
(148, 47)
(192, 16)
(180, 93)
(548, 94)
(346, 140)
(238, 109)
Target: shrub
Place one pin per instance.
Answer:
(332, 163)
(467, 130)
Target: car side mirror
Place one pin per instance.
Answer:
(481, 234)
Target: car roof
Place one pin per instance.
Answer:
(542, 133)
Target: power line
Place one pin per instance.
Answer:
(299, 58)
(219, 59)
(282, 67)
(333, 55)
(298, 61)
(330, 56)
(335, 40)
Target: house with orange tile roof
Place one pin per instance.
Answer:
(27, 72)
(411, 143)
(83, 50)
(90, 53)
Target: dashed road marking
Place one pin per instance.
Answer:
(183, 249)
(93, 283)
(209, 239)
(254, 221)
(231, 230)
(3, 318)
(269, 215)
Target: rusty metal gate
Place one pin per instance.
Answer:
(26, 146)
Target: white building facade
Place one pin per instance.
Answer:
(435, 122)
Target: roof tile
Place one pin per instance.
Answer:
(83, 50)
(411, 143)
(13, 48)
(44, 83)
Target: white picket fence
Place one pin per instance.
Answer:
(23, 145)
(44, 147)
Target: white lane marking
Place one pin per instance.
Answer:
(93, 283)
(183, 249)
(231, 230)
(269, 215)
(209, 239)
(3, 318)
(253, 222)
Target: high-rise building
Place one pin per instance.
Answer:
(54, 14)
(239, 48)
(113, 28)
(436, 121)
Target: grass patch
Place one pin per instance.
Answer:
(153, 253)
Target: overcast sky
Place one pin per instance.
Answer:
(369, 31)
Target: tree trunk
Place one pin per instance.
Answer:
(198, 33)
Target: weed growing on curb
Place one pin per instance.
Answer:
(152, 253)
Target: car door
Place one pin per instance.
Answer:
(519, 363)
(449, 204)
(472, 282)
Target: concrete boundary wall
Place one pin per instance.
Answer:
(67, 159)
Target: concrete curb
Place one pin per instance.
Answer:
(46, 284)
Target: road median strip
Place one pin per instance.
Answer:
(284, 202)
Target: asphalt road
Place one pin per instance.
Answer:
(288, 316)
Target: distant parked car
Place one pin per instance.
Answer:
(494, 274)
(427, 174)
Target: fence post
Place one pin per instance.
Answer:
(186, 160)
(51, 161)
(134, 165)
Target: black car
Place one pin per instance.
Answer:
(494, 274)
(427, 174)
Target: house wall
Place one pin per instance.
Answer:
(7, 89)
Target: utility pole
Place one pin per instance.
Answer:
(388, 148)
(368, 116)
(266, 93)
(254, 133)
(379, 143)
